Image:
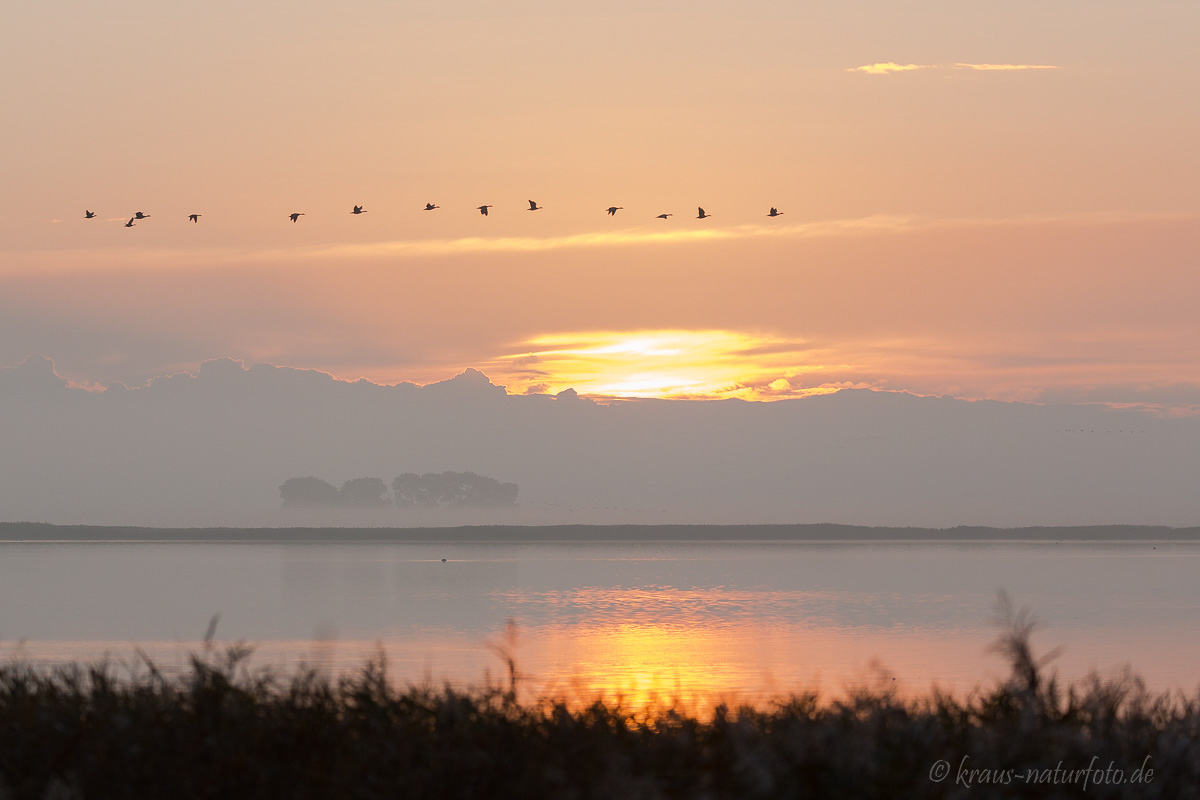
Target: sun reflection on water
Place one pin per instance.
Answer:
(647, 668)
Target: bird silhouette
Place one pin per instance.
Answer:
(89, 214)
(612, 210)
(193, 217)
(483, 210)
(358, 210)
(130, 223)
(533, 206)
(702, 215)
(664, 216)
(430, 206)
(775, 212)
(296, 216)
(140, 215)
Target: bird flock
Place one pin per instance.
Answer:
(356, 210)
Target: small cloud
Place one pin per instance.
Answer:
(888, 67)
(1004, 66)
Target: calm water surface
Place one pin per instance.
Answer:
(695, 621)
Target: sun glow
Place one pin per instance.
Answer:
(666, 364)
(652, 667)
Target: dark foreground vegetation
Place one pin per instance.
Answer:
(223, 731)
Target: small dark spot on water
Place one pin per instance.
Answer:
(443, 561)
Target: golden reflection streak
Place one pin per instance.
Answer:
(650, 667)
(653, 668)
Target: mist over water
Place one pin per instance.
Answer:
(215, 448)
(694, 620)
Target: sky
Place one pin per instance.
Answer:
(986, 200)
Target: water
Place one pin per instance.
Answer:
(694, 621)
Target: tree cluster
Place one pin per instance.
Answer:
(457, 489)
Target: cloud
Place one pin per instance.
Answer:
(34, 379)
(150, 259)
(975, 308)
(985, 67)
(1177, 399)
(158, 259)
(888, 67)
(532, 244)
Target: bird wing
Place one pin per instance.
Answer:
(532, 206)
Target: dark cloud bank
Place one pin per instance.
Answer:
(214, 448)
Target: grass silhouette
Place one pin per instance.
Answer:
(222, 730)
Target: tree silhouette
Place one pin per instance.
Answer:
(452, 489)
(410, 489)
(364, 493)
(308, 492)
(432, 489)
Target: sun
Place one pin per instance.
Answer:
(669, 363)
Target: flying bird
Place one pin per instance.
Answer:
(534, 206)
(430, 206)
(702, 215)
(140, 215)
(612, 210)
(193, 217)
(130, 223)
(483, 210)
(358, 210)
(664, 216)
(89, 214)
(296, 216)
(775, 212)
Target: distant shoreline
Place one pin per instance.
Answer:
(36, 531)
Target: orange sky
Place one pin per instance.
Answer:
(948, 228)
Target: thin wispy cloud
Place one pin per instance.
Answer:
(164, 259)
(534, 244)
(886, 67)
(889, 67)
(986, 67)
(158, 258)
